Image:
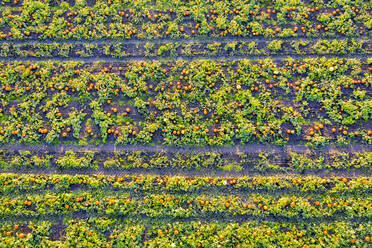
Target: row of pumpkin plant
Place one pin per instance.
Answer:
(186, 49)
(184, 205)
(206, 102)
(125, 160)
(115, 233)
(20, 183)
(98, 211)
(146, 20)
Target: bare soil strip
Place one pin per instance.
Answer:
(190, 58)
(205, 218)
(218, 190)
(351, 173)
(181, 41)
(249, 148)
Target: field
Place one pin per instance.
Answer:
(157, 123)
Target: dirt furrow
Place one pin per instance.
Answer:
(191, 58)
(249, 148)
(187, 173)
(182, 41)
(222, 191)
(185, 58)
(205, 218)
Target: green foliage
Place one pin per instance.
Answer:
(71, 160)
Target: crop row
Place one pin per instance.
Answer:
(314, 100)
(19, 184)
(263, 161)
(200, 205)
(105, 232)
(175, 49)
(143, 20)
